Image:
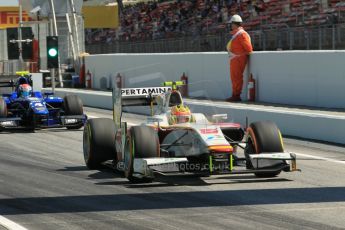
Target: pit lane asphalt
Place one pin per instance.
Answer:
(44, 184)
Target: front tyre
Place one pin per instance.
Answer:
(263, 137)
(99, 142)
(73, 106)
(142, 142)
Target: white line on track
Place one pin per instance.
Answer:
(269, 109)
(319, 158)
(10, 225)
(298, 154)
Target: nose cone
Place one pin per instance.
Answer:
(39, 108)
(41, 111)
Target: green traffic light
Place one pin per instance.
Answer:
(52, 52)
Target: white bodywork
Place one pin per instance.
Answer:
(189, 139)
(202, 134)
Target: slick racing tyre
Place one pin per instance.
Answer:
(263, 137)
(73, 106)
(3, 108)
(142, 142)
(99, 142)
(33, 121)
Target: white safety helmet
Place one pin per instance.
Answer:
(236, 18)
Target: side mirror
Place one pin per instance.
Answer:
(219, 117)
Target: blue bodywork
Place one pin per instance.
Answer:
(38, 111)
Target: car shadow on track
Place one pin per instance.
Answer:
(168, 200)
(23, 130)
(163, 181)
(73, 169)
(166, 182)
(14, 131)
(102, 173)
(59, 130)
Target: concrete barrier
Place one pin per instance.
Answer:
(310, 124)
(208, 73)
(311, 78)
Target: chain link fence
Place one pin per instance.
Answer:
(279, 38)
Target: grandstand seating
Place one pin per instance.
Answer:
(152, 20)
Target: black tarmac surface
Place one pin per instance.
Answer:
(44, 184)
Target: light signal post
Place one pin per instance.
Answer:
(52, 51)
(53, 57)
(20, 34)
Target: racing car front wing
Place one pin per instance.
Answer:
(46, 122)
(9, 122)
(146, 167)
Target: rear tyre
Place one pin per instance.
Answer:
(263, 137)
(73, 106)
(142, 142)
(33, 123)
(99, 142)
(3, 108)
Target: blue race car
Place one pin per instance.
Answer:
(25, 108)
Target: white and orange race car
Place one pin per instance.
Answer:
(175, 141)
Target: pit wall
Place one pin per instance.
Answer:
(309, 78)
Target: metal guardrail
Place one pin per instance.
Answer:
(297, 38)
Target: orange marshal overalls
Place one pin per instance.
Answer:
(238, 47)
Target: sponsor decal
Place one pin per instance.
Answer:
(7, 123)
(209, 131)
(144, 91)
(214, 137)
(38, 104)
(71, 121)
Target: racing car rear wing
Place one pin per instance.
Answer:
(123, 97)
(141, 96)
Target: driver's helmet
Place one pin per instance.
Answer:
(24, 90)
(180, 114)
